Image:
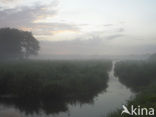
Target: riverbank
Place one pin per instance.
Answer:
(139, 76)
(145, 99)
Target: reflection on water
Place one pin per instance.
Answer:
(115, 95)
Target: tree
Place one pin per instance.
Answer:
(17, 44)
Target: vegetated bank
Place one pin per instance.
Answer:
(53, 79)
(140, 77)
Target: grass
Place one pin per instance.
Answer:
(53, 79)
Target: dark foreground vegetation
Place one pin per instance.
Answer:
(53, 79)
(51, 85)
(140, 77)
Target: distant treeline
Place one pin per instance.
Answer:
(53, 79)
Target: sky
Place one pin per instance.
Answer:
(85, 27)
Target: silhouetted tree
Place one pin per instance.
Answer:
(17, 44)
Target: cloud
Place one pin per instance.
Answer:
(33, 18)
(114, 36)
(57, 26)
(24, 18)
(9, 1)
(107, 25)
(4, 4)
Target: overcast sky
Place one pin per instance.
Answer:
(87, 27)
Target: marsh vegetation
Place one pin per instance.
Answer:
(50, 85)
